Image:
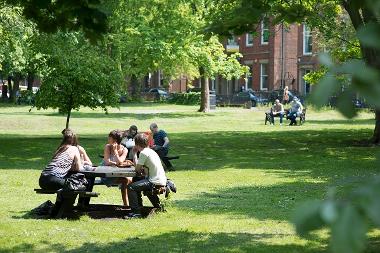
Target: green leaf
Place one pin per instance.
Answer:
(345, 104)
(369, 35)
(348, 233)
(307, 217)
(327, 86)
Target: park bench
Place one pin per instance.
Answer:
(302, 116)
(65, 206)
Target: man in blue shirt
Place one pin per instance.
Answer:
(161, 144)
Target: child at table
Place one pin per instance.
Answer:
(115, 155)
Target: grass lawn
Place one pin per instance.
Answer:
(238, 180)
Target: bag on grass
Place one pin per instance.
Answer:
(170, 187)
(43, 209)
(76, 182)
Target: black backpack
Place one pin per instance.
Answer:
(76, 182)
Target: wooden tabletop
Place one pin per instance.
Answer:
(110, 171)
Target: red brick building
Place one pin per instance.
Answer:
(277, 56)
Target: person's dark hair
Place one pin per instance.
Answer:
(69, 139)
(133, 127)
(116, 135)
(141, 140)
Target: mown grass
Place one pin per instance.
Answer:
(238, 180)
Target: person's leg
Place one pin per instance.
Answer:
(293, 119)
(162, 153)
(134, 194)
(281, 115)
(154, 199)
(123, 190)
(271, 118)
(52, 183)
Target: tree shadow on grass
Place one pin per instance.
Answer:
(183, 241)
(354, 122)
(317, 153)
(274, 202)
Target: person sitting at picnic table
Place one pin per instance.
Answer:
(69, 157)
(115, 155)
(148, 164)
(294, 111)
(128, 140)
(161, 144)
(277, 110)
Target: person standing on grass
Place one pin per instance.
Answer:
(295, 111)
(161, 144)
(277, 110)
(115, 154)
(285, 97)
(69, 157)
(149, 165)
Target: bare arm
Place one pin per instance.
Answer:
(121, 158)
(107, 155)
(166, 143)
(83, 154)
(77, 163)
(140, 169)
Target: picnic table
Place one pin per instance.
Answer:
(104, 172)
(68, 198)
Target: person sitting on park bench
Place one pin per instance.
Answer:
(69, 157)
(277, 110)
(115, 155)
(149, 164)
(161, 144)
(295, 111)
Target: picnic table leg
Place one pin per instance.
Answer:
(67, 204)
(85, 201)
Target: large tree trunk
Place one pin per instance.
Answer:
(15, 88)
(10, 88)
(205, 98)
(68, 118)
(376, 132)
(30, 81)
(371, 56)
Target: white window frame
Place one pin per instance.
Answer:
(247, 40)
(304, 82)
(307, 34)
(262, 33)
(233, 40)
(261, 76)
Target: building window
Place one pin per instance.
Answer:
(232, 41)
(249, 77)
(249, 40)
(306, 85)
(263, 76)
(265, 31)
(307, 40)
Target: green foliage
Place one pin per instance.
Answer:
(27, 97)
(189, 98)
(53, 15)
(79, 75)
(349, 217)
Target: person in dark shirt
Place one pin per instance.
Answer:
(161, 144)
